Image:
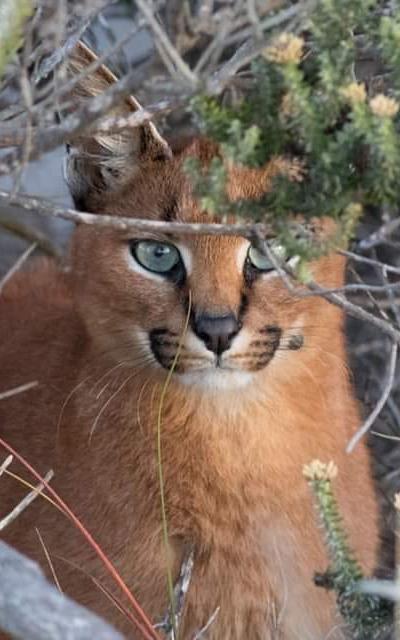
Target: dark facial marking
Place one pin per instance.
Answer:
(269, 344)
(163, 344)
(270, 330)
(244, 305)
(162, 332)
(250, 273)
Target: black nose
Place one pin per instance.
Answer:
(216, 332)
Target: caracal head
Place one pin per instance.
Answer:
(144, 296)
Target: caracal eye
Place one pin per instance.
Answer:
(158, 257)
(261, 261)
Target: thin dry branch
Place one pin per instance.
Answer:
(25, 502)
(17, 265)
(32, 608)
(113, 124)
(90, 112)
(45, 138)
(370, 261)
(355, 311)
(289, 277)
(248, 51)
(180, 592)
(387, 389)
(4, 466)
(202, 632)
(49, 561)
(47, 208)
(381, 235)
(50, 63)
(16, 390)
(67, 88)
(32, 235)
(257, 233)
(164, 44)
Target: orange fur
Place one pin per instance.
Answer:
(233, 446)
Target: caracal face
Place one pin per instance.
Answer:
(216, 300)
(146, 296)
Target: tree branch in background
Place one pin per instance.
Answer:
(32, 608)
(387, 389)
(31, 235)
(165, 46)
(72, 126)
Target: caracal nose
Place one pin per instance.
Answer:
(217, 332)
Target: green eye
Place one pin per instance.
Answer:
(158, 257)
(261, 261)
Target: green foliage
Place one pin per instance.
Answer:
(13, 14)
(368, 617)
(389, 38)
(305, 103)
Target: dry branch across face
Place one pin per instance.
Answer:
(253, 232)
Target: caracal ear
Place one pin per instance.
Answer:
(105, 161)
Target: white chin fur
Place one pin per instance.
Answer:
(213, 379)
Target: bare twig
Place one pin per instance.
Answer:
(49, 64)
(289, 277)
(180, 592)
(112, 124)
(49, 561)
(390, 296)
(374, 263)
(16, 390)
(271, 22)
(356, 312)
(162, 41)
(383, 304)
(247, 52)
(199, 634)
(387, 589)
(47, 208)
(4, 466)
(182, 587)
(254, 232)
(254, 17)
(32, 235)
(25, 502)
(388, 386)
(17, 265)
(381, 235)
(91, 111)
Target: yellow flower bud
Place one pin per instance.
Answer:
(286, 48)
(383, 106)
(318, 470)
(354, 93)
